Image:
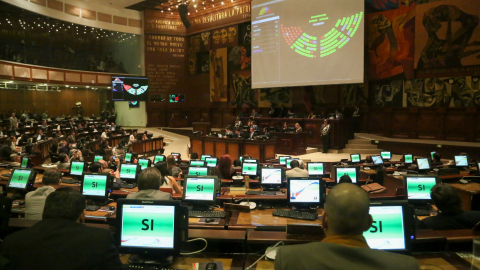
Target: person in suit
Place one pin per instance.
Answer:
(6, 151)
(437, 160)
(272, 113)
(254, 113)
(228, 131)
(338, 115)
(252, 134)
(149, 182)
(450, 215)
(64, 162)
(35, 200)
(254, 125)
(40, 135)
(298, 128)
(13, 122)
(55, 241)
(71, 139)
(344, 220)
(238, 133)
(297, 169)
(64, 148)
(325, 131)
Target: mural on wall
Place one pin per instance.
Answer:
(225, 37)
(242, 94)
(388, 94)
(390, 42)
(354, 94)
(408, 3)
(245, 34)
(218, 75)
(238, 59)
(447, 34)
(378, 5)
(197, 43)
(276, 97)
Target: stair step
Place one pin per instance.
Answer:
(361, 151)
(361, 146)
(359, 141)
(311, 150)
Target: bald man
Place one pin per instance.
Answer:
(345, 219)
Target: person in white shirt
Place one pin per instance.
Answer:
(35, 200)
(325, 130)
(297, 169)
(167, 180)
(132, 138)
(104, 134)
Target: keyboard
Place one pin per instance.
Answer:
(146, 267)
(129, 186)
(259, 192)
(8, 175)
(207, 214)
(70, 181)
(422, 212)
(92, 207)
(295, 214)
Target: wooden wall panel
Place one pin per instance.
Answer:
(375, 123)
(39, 74)
(197, 146)
(233, 151)
(401, 123)
(427, 124)
(455, 126)
(22, 72)
(252, 150)
(269, 152)
(209, 148)
(220, 149)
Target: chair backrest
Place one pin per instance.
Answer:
(167, 190)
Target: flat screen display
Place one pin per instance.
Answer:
(176, 156)
(197, 163)
(418, 188)
(129, 88)
(355, 158)
(143, 163)
(134, 104)
(461, 161)
(200, 189)
(386, 155)
(199, 171)
(288, 161)
(94, 185)
(283, 159)
(177, 98)
(377, 160)
(432, 153)
(159, 159)
(352, 172)
(271, 176)
(97, 158)
(408, 159)
(147, 226)
(128, 171)
(211, 162)
(423, 164)
(19, 178)
(205, 156)
(304, 191)
(315, 168)
(250, 160)
(249, 168)
(387, 231)
(77, 168)
(24, 162)
(128, 157)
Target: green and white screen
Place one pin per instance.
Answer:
(431, 154)
(249, 168)
(355, 158)
(205, 156)
(377, 160)
(197, 163)
(305, 191)
(128, 171)
(198, 171)
(158, 159)
(315, 168)
(143, 163)
(148, 226)
(283, 159)
(408, 158)
(97, 158)
(211, 162)
(24, 162)
(250, 161)
(128, 157)
(352, 172)
(77, 168)
(94, 185)
(387, 231)
(19, 178)
(461, 161)
(288, 161)
(423, 164)
(418, 188)
(386, 155)
(201, 189)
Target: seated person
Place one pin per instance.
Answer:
(450, 214)
(345, 219)
(77, 156)
(148, 183)
(95, 167)
(311, 115)
(167, 180)
(228, 131)
(55, 241)
(237, 164)
(194, 156)
(298, 128)
(64, 147)
(252, 133)
(6, 152)
(174, 170)
(35, 200)
(285, 127)
(297, 169)
(436, 160)
(63, 162)
(345, 179)
(265, 132)
(224, 168)
(238, 133)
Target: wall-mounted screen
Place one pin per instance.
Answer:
(129, 88)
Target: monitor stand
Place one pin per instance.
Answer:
(271, 187)
(202, 207)
(304, 209)
(151, 260)
(98, 202)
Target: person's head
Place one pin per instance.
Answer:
(336, 111)
(162, 168)
(253, 111)
(237, 130)
(297, 125)
(65, 203)
(346, 211)
(194, 155)
(63, 157)
(40, 132)
(237, 163)
(446, 198)
(325, 121)
(285, 125)
(13, 114)
(345, 179)
(51, 177)
(171, 161)
(294, 164)
(150, 178)
(436, 157)
(95, 167)
(368, 159)
(224, 165)
(251, 129)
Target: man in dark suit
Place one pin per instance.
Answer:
(60, 240)
(345, 219)
(252, 134)
(325, 131)
(71, 139)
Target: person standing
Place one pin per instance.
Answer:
(325, 130)
(13, 122)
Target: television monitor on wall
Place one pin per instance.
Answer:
(129, 88)
(175, 98)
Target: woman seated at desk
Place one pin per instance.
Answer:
(167, 180)
(224, 169)
(174, 170)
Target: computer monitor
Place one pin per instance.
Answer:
(377, 160)
(352, 171)
(159, 158)
(408, 158)
(250, 160)
(198, 171)
(128, 157)
(128, 172)
(144, 163)
(97, 158)
(151, 229)
(176, 156)
(417, 188)
(432, 153)
(315, 168)
(272, 178)
(305, 192)
(386, 155)
(287, 162)
(355, 158)
(423, 164)
(25, 162)
(249, 169)
(205, 156)
(392, 228)
(22, 179)
(201, 191)
(283, 159)
(77, 168)
(461, 161)
(95, 187)
(200, 163)
(211, 162)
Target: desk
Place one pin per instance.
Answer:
(291, 143)
(147, 146)
(265, 218)
(229, 261)
(204, 127)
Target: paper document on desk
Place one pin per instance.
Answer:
(203, 265)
